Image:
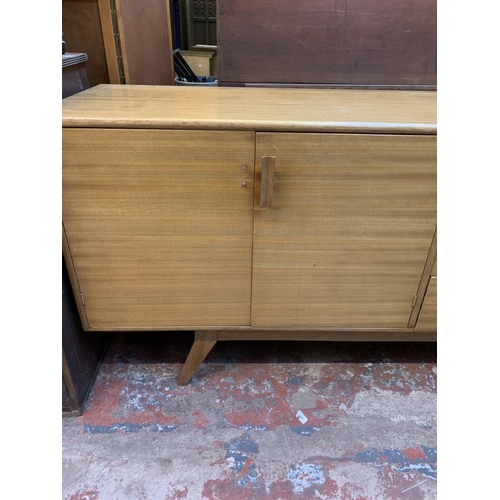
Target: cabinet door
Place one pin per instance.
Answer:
(159, 225)
(346, 238)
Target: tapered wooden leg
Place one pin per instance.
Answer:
(203, 343)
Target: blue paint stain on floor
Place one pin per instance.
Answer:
(293, 381)
(251, 476)
(304, 475)
(370, 456)
(243, 443)
(427, 470)
(394, 456)
(430, 453)
(303, 430)
(398, 461)
(238, 457)
(128, 428)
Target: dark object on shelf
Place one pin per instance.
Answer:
(63, 45)
(206, 81)
(360, 43)
(183, 69)
(82, 353)
(74, 74)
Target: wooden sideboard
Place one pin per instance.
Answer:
(251, 213)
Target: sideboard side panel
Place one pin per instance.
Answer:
(427, 319)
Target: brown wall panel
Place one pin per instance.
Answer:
(365, 42)
(81, 26)
(146, 41)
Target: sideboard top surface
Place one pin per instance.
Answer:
(258, 109)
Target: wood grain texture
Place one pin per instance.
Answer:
(435, 267)
(146, 41)
(203, 344)
(68, 259)
(249, 329)
(406, 335)
(81, 26)
(427, 319)
(108, 39)
(267, 181)
(159, 225)
(319, 41)
(347, 238)
(67, 410)
(424, 282)
(259, 109)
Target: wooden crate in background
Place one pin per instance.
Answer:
(199, 61)
(214, 61)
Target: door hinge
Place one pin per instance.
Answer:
(82, 299)
(118, 45)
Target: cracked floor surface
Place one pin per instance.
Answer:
(258, 420)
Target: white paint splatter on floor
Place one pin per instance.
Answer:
(304, 475)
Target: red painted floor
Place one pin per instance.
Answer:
(368, 428)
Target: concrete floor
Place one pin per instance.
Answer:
(234, 433)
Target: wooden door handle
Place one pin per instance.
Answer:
(267, 182)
